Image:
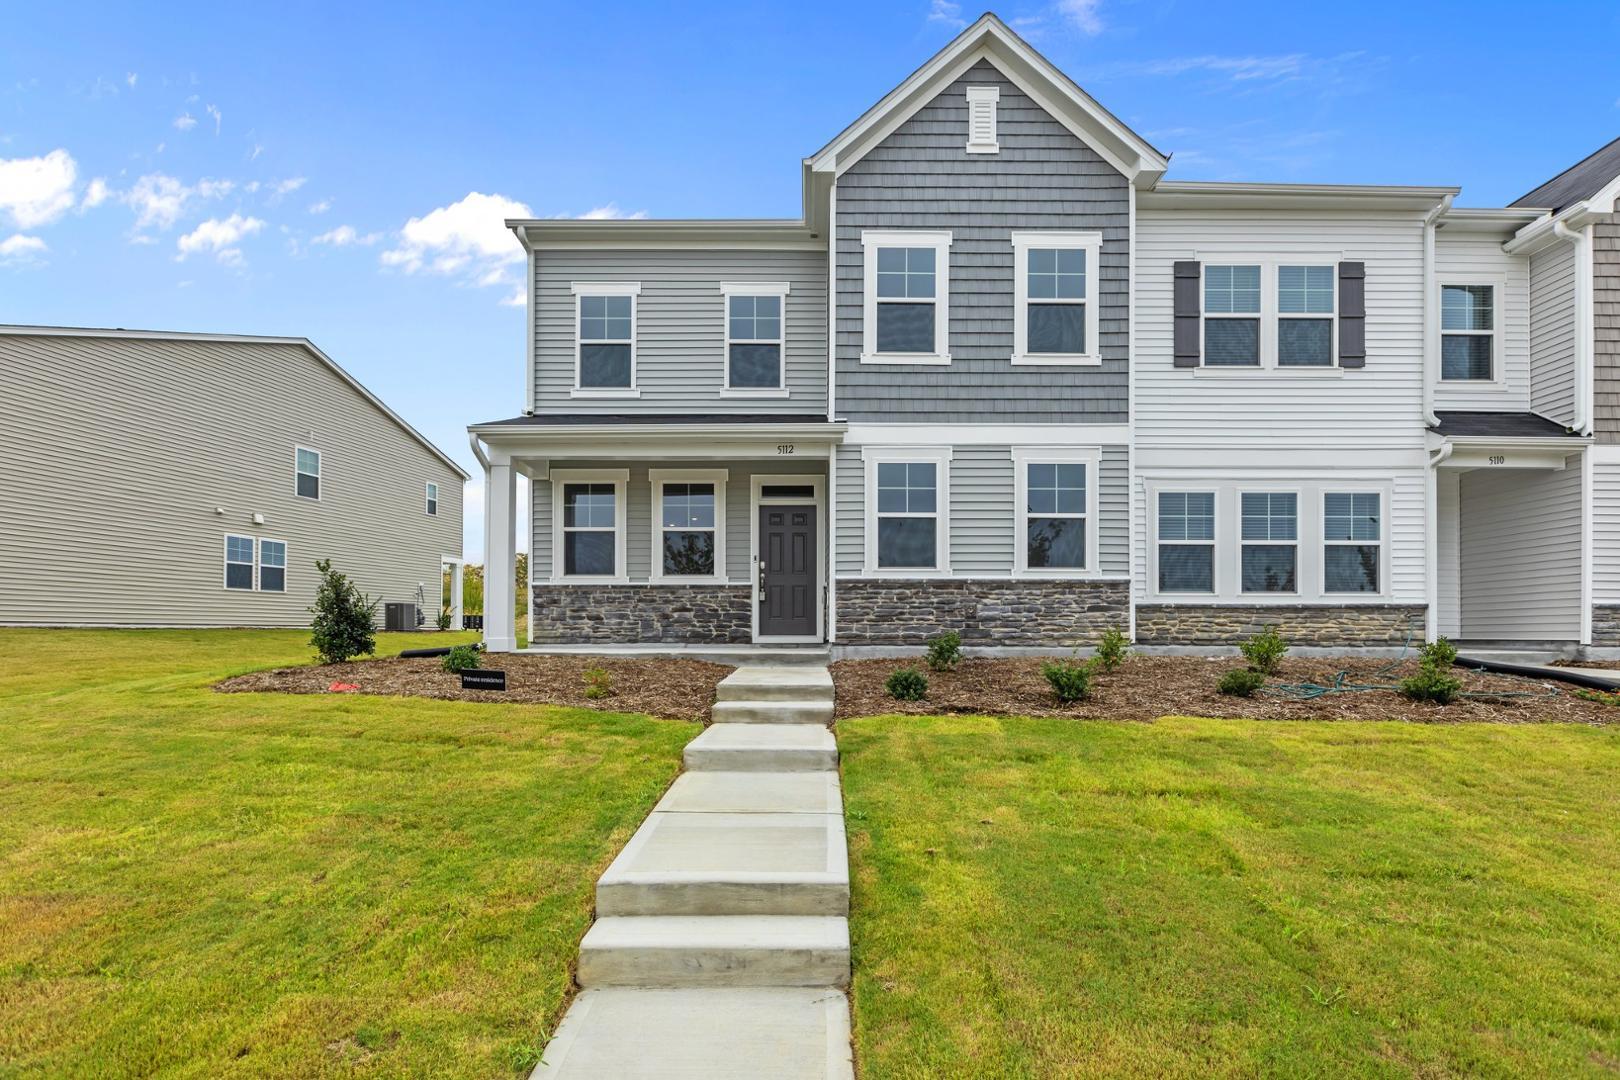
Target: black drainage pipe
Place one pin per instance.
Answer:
(1561, 674)
(438, 650)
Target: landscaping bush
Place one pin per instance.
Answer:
(1265, 650)
(598, 683)
(1438, 654)
(342, 627)
(444, 619)
(1601, 697)
(1241, 682)
(1070, 679)
(945, 651)
(1434, 681)
(462, 658)
(1112, 649)
(907, 684)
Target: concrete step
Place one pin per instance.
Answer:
(715, 950)
(776, 682)
(763, 748)
(750, 1034)
(753, 793)
(773, 712)
(730, 864)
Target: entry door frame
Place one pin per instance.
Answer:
(757, 499)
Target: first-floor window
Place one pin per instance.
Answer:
(1055, 515)
(1352, 536)
(1186, 541)
(432, 499)
(272, 566)
(1270, 541)
(589, 528)
(908, 515)
(687, 517)
(239, 562)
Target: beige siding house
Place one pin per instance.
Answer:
(163, 479)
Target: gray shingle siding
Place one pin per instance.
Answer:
(921, 177)
(1606, 328)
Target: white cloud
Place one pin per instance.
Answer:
(132, 78)
(946, 12)
(1082, 15)
(345, 235)
(214, 189)
(20, 248)
(611, 212)
(219, 237)
(468, 238)
(160, 200)
(95, 194)
(213, 110)
(185, 121)
(320, 207)
(518, 298)
(37, 190)
(287, 186)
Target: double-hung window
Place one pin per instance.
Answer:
(432, 499)
(272, 566)
(1467, 333)
(605, 341)
(1352, 541)
(689, 524)
(1186, 523)
(1231, 316)
(1055, 308)
(907, 511)
(907, 297)
(1056, 523)
(239, 562)
(307, 473)
(755, 337)
(589, 515)
(1270, 541)
(1305, 316)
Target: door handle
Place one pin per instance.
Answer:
(762, 581)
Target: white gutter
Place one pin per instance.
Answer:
(478, 451)
(1431, 323)
(1580, 239)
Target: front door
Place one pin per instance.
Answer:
(787, 571)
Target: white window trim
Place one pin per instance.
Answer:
(1213, 543)
(871, 240)
(320, 483)
(1025, 456)
(226, 563)
(728, 289)
(430, 498)
(1498, 379)
(620, 479)
(980, 98)
(1296, 543)
(659, 478)
(1091, 244)
(1268, 316)
(258, 565)
(1382, 542)
(940, 456)
(631, 289)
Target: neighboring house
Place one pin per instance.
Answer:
(1003, 377)
(161, 479)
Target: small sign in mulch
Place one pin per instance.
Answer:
(483, 679)
(343, 687)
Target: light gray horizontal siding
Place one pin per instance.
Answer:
(1552, 333)
(680, 344)
(920, 177)
(127, 461)
(1521, 553)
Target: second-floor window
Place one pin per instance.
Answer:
(307, 473)
(432, 499)
(605, 361)
(907, 298)
(1055, 307)
(1467, 333)
(755, 337)
(1305, 316)
(1231, 316)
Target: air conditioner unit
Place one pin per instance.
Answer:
(399, 616)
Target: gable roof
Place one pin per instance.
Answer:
(245, 339)
(991, 39)
(1580, 181)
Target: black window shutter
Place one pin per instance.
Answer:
(1352, 314)
(1189, 314)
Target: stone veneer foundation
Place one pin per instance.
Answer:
(641, 614)
(1025, 612)
(1606, 625)
(1325, 625)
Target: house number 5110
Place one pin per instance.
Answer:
(784, 448)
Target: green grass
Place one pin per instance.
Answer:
(1217, 898)
(202, 884)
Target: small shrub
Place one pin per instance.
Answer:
(1241, 682)
(1431, 684)
(1600, 697)
(1439, 654)
(598, 683)
(945, 651)
(1112, 649)
(342, 627)
(462, 658)
(444, 619)
(1265, 650)
(1070, 679)
(907, 684)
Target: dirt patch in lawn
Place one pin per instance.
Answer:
(1148, 687)
(677, 689)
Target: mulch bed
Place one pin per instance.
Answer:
(677, 689)
(1148, 687)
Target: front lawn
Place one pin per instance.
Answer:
(1041, 898)
(195, 883)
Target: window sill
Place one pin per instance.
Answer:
(589, 392)
(1027, 574)
(1056, 360)
(690, 579)
(1476, 386)
(906, 358)
(984, 148)
(1252, 372)
(588, 581)
(903, 574)
(758, 392)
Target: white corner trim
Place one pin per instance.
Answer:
(1023, 457)
(940, 456)
(620, 479)
(982, 102)
(660, 477)
(1091, 244)
(940, 241)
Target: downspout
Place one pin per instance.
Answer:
(1579, 239)
(1431, 329)
(1431, 526)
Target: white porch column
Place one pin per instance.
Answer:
(500, 555)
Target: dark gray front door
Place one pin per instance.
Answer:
(787, 571)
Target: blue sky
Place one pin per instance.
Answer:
(339, 171)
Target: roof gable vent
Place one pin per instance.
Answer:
(982, 119)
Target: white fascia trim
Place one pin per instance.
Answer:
(940, 241)
(1023, 457)
(620, 479)
(986, 434)
(871, 458)
(660, 477)
(980, 98)
(1091, 244)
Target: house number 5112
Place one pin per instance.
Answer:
(784, 448)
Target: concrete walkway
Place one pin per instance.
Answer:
(721, 943)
